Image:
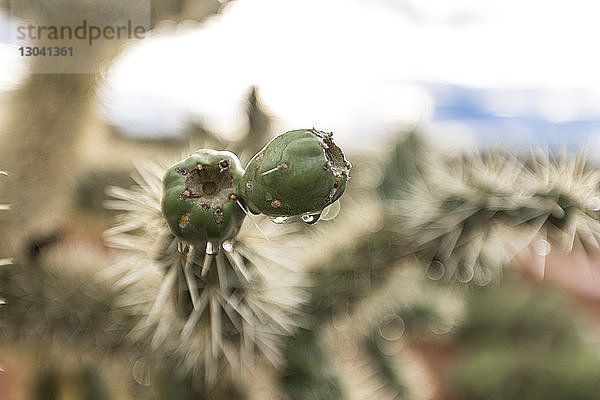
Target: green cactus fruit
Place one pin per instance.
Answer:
(199, 200)
(299, 172)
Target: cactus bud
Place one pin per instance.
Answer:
(297, 173)
(199, 200)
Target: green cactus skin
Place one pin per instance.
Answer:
(199, 200)
(299, 172)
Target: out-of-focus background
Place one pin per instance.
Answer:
(407, 87)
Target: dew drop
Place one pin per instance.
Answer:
(141, 372)
(227, 246)
(442, 328)
(311, 218)
(393, 329)
(558, 212)
(482, 276)
(210, 248)
(435, 270)
(594, 203)
(465, 273)
(331, 211)
(279, 220)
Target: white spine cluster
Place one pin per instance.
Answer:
(468, 218)
(215, 306)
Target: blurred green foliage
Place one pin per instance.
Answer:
(308, 375)
(500, 373)
(169, 383)
(519, 316)
(522, 343)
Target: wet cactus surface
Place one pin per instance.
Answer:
(199, 200)
(299, 172)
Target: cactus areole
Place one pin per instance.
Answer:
(199, 200)
(299, 172)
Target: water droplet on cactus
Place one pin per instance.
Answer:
(393, 328)
(465, 273)
(331, 211)
(482, 276)
(435, 270)
(141, 372)
(279, 220)
(311, 218)
(558, 212)
(210, 248)
(227, 246)
(442, 327)
(313, 175)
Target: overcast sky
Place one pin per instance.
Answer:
(361, 68)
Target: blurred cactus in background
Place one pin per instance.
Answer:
(297, 173)
(466, 218)
(50, 139)
(528, 347)
(259, 127)
(200, 314)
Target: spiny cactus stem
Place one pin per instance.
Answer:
(312, 174)
(199, 196)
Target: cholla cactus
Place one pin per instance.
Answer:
(459, 220)
(199, 200)
(221, 297)
(467, 218)
(61, 316)
(297, 173)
